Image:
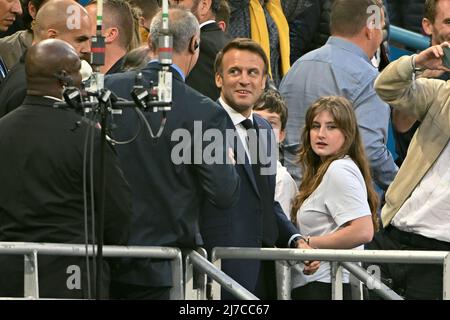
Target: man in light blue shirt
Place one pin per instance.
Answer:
(343, 67)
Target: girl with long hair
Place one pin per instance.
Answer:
(336, 205)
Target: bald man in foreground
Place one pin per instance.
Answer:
(41, 190)
(57, 19)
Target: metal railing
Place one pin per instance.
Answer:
(196, 282)
(198, 261)
(408, 38)
(31, 250)
(344, 257)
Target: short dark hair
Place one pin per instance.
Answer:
(272, 101)
(215, 6)
(243, 44)
(430, 9)
(26, 16)
(223, 12)
(348, 17)
(120, 14)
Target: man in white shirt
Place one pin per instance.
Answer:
(416, 215)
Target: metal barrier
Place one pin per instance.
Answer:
(404, 42)
(408, 38)
(343, 257)
(199, 261)
(31, 250)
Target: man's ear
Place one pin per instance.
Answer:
(222, 25)
(368, 32)
(111, 34)
(219, 80)
(142, 22)
(282, 134)
(32, 10)
(264, 82)
(427, 26)
(52, 34)
(193, 45)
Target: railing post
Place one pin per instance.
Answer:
(215, 286)
(283, 272)
(336, 281)
(201, 278)
(189, 292)
(31, 277)
(446, 276)
(176, 293)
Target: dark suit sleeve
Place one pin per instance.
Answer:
(285, 227)
(117, 213)
(220, 181)
(12, 92)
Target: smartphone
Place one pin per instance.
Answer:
(446, 57)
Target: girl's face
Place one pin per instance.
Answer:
(326, 138)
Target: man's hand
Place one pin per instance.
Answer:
(310, 266)
(431, 58)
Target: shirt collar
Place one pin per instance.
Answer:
(206, 22)
(173, 65)
(235, 116)
(348, 46)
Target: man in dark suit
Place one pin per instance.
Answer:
(117, 30)
(169, 185)
(8, 12)
(52, 22)
(257, 220)
(41, 194)
(212, 40)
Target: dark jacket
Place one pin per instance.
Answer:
(407, 14)
(168, 193)
(41, 194)
(14, 88)
(201, 78)
(256, 220)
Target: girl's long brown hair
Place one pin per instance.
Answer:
(314, 169)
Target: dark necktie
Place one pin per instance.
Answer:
(269, 222)
(248, 124)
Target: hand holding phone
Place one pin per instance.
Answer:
(446, 57)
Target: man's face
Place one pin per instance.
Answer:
(440, 29)
(242, 80)
(79, 38)
(191, 5)
(9, 9)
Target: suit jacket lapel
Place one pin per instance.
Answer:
(241, 156)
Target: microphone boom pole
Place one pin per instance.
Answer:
(98, 60)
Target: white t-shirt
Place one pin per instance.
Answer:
(285, 189)
(339, 198)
